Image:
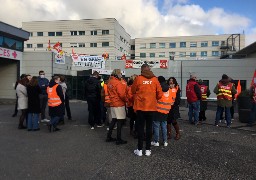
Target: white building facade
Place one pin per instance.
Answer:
(86, 36)
(204, 47)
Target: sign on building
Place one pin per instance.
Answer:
(152, 63)
(88, 61)
(105, 71)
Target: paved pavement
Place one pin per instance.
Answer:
(77, 152)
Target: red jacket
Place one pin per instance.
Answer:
(191, 93)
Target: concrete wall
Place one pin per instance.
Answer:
(8, 77)
(212, 70)
(33, 62)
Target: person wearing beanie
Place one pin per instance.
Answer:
(193, 94)
(224, 90)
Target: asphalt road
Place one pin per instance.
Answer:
(77, 152)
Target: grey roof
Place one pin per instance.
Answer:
(246, 50)
(12, 30)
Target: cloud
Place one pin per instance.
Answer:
(140, 18)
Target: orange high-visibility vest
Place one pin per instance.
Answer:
(53, 98)
(204, 89)
(165, 103)
(225, 91)
(107, 99)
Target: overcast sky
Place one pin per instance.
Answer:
(144, 18)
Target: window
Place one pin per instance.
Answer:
(182, 54)
(182, 44)
(29, 46)
(40, 33)
(1, 40)
(132, 56)
(142, 55)
(172, 45)
(204, 44)
(73, 33)
(121, 49)
(73, 44)
(81, 44)
(152, 45)
(215, 43)
(204, 53)
(93, 33)
(132, 47)
(143, 46)
(93, 44)
(40, 45)
(193, 44)
(58, 33)
(105, 44)
(223, 43)
(105, 32)
(161, 54)
(215, 53)
(152, 55)
(31, 34)
(171, 55)
(161, 45)
(81, 33)
(192, 54)
(51, 33)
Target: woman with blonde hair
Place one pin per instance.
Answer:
(117, 95)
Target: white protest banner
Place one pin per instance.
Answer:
(163, 64)
(105, 72)
(88, 61)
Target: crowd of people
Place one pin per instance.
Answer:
(150, 103)
(34, 94)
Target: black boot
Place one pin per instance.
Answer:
(119, 140)
(111, 126)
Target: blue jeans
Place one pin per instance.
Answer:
(33, 121)
(252, 114)
(194, 109)
(55, 120)
(156, 126)
(219, 113)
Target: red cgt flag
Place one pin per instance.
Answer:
(238, 89)
(254, 78)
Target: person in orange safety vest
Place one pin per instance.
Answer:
(55, 103)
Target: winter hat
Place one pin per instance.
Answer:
(224, 76)
(161, 79)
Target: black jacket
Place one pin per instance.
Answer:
(92, 88)
(57, 110)
(33, 99)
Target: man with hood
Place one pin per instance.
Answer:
(147, 91)
(55, 103)
(93, 97)
(224, 90)
(193, 94)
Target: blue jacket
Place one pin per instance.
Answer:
(43, 84)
